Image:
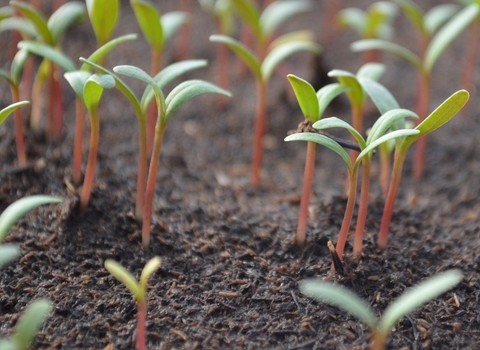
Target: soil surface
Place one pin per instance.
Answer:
(229, 275)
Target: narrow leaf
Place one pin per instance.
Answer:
(324, 141)
(151, 266)
(30, 322)
(106, 48)
(347, 79)
(18, 63)
(124, 276)
(171, 23)
(8, 253)
(372, 70)
(381, 97)
(249, 14)
(22, 206)
(387, 121)
(22, 25)
(417, 296)
(340, 297)
(278, 12)
(37, 20)
(104, 16)
(413, 12)
(334, 122)
(93, 89)
(353, 18)
(77, 80)
(326, 95)
(149, 20)
(49, 53)
(437, 16)
(306, 97)
(64, 16)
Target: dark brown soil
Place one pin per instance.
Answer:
(229, 275)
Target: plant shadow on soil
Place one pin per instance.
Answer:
(229, 275)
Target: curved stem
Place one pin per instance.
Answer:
(141, 339)
(78, 142)
(390, 200)
(152, 177)
(347, 218)
(141, 168)
(259, 132)
(362, 209)
(92, 159)
(19, 133)
(306, 192)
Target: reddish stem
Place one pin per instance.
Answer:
(151, 181)
(384, 169)
(223, 78)
(307, 190)
(78, 142)
(141, 170)
(378, 341)
(37, 105)
(362, 209)
(347, 218)
(390, 200)
(92, 159)
(141, 340)
(422, 111)
(155, 66)
(19, 133)
(55, 108)
(259, 132)
(184, 37)
(330, 10)
(471, 57)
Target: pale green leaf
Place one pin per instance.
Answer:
(296, 36)
(6, 12)
(379, 94)
(340, 297)
(417, 296)
(380, 16)
(6, 76)
(372, 70)
(347, 79)
(7, 344)
(437, 16)
(149, 20)
(241, 51)
(19, 24)
(77, 80)
(106, 48)
(30, 322)
(49, 53)
(37, 20)
(326, 95)
(125, 277)
(278, 12)
(387, 121)
(413, 12)
(334, 122)
(306, 97)
(171, 23)
(324, 141)
(22, 206)
(387, 46)
(67, 14)
(249, 14)
(151, 266)
(104, 16)
(8, 253)
(448, 33)
(353, 18)
(18, 63)
(94, 87)
(281, 52)
(186, 91)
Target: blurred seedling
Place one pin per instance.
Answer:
(139, 291)
(471, 55)
(166, 106)
(438, 29)
(380, 328)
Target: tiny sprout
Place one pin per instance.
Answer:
(138, 290)
(28, 325)
(380, 328)
(104, 16)
(435, 38)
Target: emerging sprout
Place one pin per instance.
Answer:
(380, 328)
(104, 16)
(139, 292)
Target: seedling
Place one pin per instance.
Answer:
(313, 105)
(27, 326)
(12, 214)
(432, 46)
(181, 94)
(141, 106)
(49, 32)
(440, 116)
(467, 81)
(158, 30)
(359, 308)
(262, 69)
(103, 16)
(376, 138)
(139, 292)
(375, 22)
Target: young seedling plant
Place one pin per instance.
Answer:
(376, 138)
(359, 308)
(313, 105)
(141, 107)
(433, 44)
(50, 32)
(467, 81)
(158, 30)
(375, 22)
(440, 116)
(166, 106)
(139, 292)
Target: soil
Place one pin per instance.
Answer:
(229, 275)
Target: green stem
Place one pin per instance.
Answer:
(141, 339)
(152, 177)
(19, 133)
(362, 209)
(259, 132)
(78, 142)
(155, 66)
(92, 159)
(347, 218)
(390, 200)
(306, 192)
